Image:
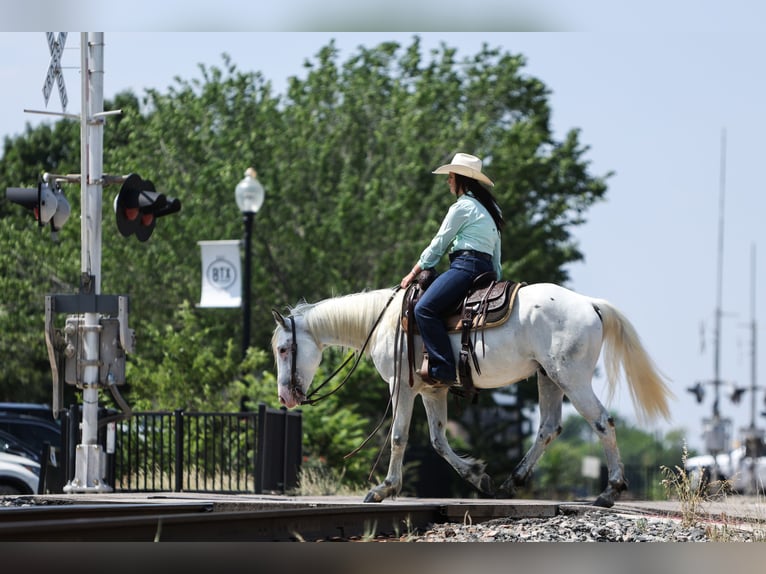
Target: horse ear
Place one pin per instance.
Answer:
(278, 317)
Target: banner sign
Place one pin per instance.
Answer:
(221, 276)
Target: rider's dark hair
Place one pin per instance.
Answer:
(483, 195)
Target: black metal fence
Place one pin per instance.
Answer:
(242, 452)
(239, 452)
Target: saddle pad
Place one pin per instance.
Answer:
(497, 300)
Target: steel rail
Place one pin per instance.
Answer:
(272, 525)
(196, 522)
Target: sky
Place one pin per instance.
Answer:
(661, 94)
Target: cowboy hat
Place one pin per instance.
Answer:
(465, 164)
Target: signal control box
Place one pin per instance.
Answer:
(111, 355)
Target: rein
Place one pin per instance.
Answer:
(294, 350)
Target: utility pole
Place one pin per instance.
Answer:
(716, 429)
(753, 337)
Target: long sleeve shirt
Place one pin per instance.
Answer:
(467, 225)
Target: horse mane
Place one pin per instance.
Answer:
(347, 317)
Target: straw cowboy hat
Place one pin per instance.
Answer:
(465, 164)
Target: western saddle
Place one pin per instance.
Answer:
(487, 304)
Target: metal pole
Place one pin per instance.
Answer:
(753, 437)
(753, 333)
(716, 433)
(178, 417)
(248, 220)
(90, 460)
(718, 311)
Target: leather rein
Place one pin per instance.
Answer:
(308, 400)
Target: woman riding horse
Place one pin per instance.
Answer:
(471, 233)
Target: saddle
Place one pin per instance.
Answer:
(487, 304)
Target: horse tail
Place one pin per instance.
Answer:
(623, 348)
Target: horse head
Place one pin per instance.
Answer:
(295, 369)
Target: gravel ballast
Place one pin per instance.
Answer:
(587, 526)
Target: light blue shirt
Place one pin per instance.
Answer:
(467, 225)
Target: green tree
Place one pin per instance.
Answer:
(31, 263)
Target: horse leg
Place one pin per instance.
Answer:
(403, 402)
(587, 404)
(550, 398)
(470, 469)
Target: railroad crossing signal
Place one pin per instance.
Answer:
(47, 203)
(138, 206)
(56, 47)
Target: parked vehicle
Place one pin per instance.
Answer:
(744, 474)
(34, 431)
(12, 445)
(31, 409)
(18, 474)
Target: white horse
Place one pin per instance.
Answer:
(551, 331)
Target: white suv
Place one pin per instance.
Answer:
(18, 475)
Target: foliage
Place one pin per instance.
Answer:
(194, 371)
(345, 157)
(558, 473)
(31, 265)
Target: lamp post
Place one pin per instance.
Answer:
(249, 195)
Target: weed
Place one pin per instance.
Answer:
(410, 532)
(692, 494)
(320, 480)
(642, 524)
(689, 493)
(370, 531)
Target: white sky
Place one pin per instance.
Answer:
(650, 96)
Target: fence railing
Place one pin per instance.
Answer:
(253, 452)
(242, 452)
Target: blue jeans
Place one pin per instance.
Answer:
(443, 296)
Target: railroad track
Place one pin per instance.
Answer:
(190, 517)
(200, 521)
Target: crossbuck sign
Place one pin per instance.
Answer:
(56, 47)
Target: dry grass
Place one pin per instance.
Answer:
(680, 486)
(319, 480)
(694, 497)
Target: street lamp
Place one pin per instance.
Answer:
(249, 195)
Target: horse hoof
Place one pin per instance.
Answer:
(603, 502)
(373, 496)
(507, 490)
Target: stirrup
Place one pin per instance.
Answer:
(428, 379)
(424, 374)
(423, 371)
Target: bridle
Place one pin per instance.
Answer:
(293, 385)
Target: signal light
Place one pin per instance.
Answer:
(47, 203)
(698, 391)
(736, 393)
(138, 205)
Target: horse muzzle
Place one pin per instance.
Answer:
(291, 394)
